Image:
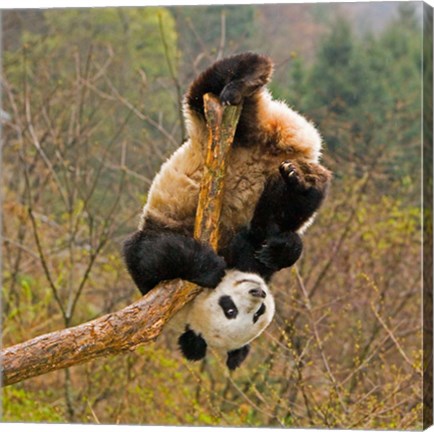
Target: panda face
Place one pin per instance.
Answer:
(234, 313)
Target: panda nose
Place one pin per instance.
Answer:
(258, 292)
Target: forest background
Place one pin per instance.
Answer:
(92, 107)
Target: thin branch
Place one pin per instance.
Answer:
(137, 112)
(395, 341)
(41, 254)
(319, 340)
(41, 152)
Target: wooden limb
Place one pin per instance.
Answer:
(142, 321)
(221, 125)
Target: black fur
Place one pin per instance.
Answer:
(259, 312)
(289, 200)
(154, 256)
(229, 307)
(255, 254)
(234, 79)
(236, 357)
(192, 345)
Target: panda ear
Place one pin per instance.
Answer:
(192, 345)
(236, 357)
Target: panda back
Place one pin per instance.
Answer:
(173, 196)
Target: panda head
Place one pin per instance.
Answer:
(227, 317)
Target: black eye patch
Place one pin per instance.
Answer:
(228, 306)
(259, 312)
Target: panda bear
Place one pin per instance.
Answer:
(226, 318)
(274, 185)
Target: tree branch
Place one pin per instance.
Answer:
(142, 321)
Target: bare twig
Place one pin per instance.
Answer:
(394, 339)
(319, 340)
(40, 250)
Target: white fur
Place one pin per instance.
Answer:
(204, 315)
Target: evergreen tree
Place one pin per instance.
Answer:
(365, 95)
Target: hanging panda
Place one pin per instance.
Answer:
(226, 318)
(274, 185)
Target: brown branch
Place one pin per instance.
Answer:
(142, 321)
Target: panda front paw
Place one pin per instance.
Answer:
(211, 278)
(204, 266)
(236, 357)
(280, 251)
(209, 269)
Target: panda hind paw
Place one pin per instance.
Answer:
(290, 174)
(231, 94)
(280, 251)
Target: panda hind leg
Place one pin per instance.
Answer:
(152, 257)
(291, 197)
(232, 79)
(306, 187)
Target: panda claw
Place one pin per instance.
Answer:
(289, 173)
(288, 168)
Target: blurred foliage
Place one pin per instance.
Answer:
(201, 27)
(34, 404)
(364, 95)
(94, 100)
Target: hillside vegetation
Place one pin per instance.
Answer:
(93, 98)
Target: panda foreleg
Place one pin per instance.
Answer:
(271, 242)
(276, 251)
(153, 256)
(193, 346)
(241, 254)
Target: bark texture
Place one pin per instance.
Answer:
(142, 321)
